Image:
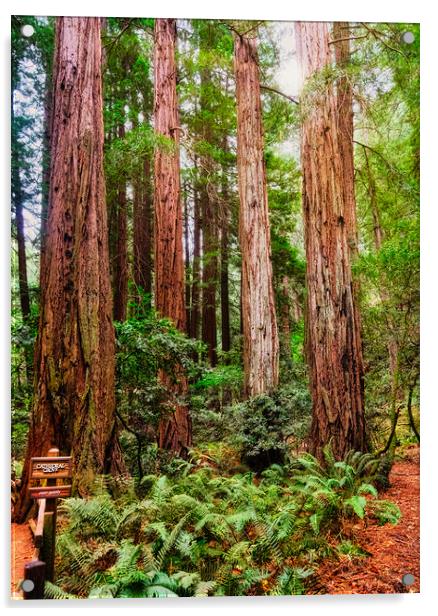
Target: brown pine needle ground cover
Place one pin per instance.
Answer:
(394, 550)
(22, 552)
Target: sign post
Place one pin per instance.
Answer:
(50, 470)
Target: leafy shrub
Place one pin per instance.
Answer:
(262, 425)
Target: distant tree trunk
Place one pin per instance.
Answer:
(195, 312)
(143, 232)
(209, 275)
(175, 433)
(17, 201)
(21, 244)
(285, 317)
(260, 336)
(210, 240)
(121, 256)
(225, 292)
(46, 160)
(333, 332)
(188, 287)
(73, 406)
(378, 240)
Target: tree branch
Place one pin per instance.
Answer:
(289, 98)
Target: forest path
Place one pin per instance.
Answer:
(395, 550)
(22, 551)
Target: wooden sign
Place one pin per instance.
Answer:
(50, 492)
(51, 468)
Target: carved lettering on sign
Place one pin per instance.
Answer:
(54, 468)
(50, 468)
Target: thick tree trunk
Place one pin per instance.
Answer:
(260, 336)
(344, 97)
(73, 406)
(333, 333)
(175, 433)
(121, 256)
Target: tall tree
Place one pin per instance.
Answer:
(209, 208)
(175, 432)
(333, 332)
(194, 295)
(121, 247)
(260, 336)
(73, 405)
(224, 254)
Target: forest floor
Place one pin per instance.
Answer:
(22, 551)
(394, 550)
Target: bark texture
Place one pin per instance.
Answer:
(210, 239)
(194, 306)
(224, 254)
(333, 331)
(260, 346)
(175, 432)
(143, 231)
(73, 405)
(121, 256)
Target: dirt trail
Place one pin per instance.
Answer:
(395, 550)
(22, 551)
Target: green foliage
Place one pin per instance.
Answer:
(201, 532)
(261, 426)
(144, 346)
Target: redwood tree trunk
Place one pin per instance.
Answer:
(333, 332)
(143, 232)
(121, 256)
(21, 244)
(260, 336)
(175, 432)
(344, 97)
(194, 311)
(209, 273)
(225, 287)
(209, 204)
(73, 405)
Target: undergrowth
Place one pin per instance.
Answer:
(200, 533)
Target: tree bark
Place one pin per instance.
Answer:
(46, 160)
(344, 98)
(143, 232)
(210, 239)
(194, 310)
(285, 318)
(175, 432)
(225, 291)
(260, 336)
(333, 331)
(21, 244)
(121, 256)
(73, 406)
(188, 288)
